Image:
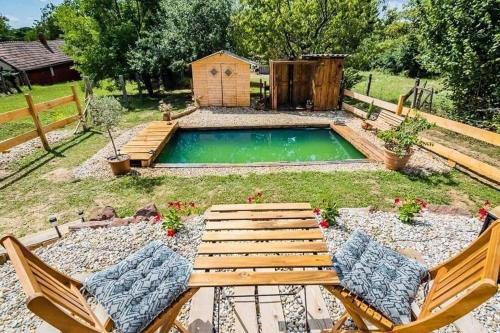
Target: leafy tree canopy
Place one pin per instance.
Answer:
(460, 39)
(277, 28)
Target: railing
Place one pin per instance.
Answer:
(33, 110)
(453, 156)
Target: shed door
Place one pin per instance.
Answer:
(229, 85)
(214, 84)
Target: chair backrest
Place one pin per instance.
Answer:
(51, 295)
(460, 284)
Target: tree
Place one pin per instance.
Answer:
(277, 28)
(100, 33)
(4, 28)
(460, 40)
(47, 24)
(186, 30)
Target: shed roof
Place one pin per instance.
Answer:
(24, 56)
(231, 54)
(324, 56)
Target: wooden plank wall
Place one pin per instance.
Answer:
(34, 110)
(221, 89)
(318, 81)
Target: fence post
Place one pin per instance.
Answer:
(26, 79)
(415, 93)
(401, 101)
(36, 120)
(78, 107)
(369, 85)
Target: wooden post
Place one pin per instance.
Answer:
(123, 86)
(430, 101)
(36, 120)
(260, 89)
(78, 107)
(2, 82)
(415, 93)
(89, 92)
(369, 85)
(26, 79)
(401, 101)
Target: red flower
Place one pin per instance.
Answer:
(397, 201)
(482, 213)
(317, 211)
(324, 224)
(157, 218)
(258, 195)
(171, 232)
(421, 202)
(250, 199)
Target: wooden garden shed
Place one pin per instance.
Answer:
(314, 77)
(222, 79)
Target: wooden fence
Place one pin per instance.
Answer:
(453, 156)
(33, 110)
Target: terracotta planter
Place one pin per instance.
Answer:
(394, 162)
(120, 166)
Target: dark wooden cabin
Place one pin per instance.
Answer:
(314, 77)
(43, 61)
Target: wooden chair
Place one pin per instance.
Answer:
(459, 285)
(56, 298)
(386, 120)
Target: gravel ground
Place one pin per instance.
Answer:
(421, 161)
(29, 147)
(437, 237)
(97, 166)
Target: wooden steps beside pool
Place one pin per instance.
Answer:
(367, 148)
(145, 147)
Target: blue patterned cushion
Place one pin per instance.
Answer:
(136, 290)
(382, 277)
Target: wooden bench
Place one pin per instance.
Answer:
(386, 120)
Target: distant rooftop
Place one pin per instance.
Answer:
(25, 56)
(231, 54)
(324, 55)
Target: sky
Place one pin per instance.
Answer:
(22, 13)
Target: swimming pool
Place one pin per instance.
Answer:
(243, 146)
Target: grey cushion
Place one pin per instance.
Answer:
(136, 290)
(382, 277)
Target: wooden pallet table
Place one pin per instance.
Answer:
(145, 147)
(255, 248)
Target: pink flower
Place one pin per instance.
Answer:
(250, 199)
(157, 218)
(324, 224)
(171, 232)
(317, 211)
(482, 213)
(397, 201)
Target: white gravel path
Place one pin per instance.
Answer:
(437, 237)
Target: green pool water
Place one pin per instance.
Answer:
(257, 145)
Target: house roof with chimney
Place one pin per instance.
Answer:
(26, 56)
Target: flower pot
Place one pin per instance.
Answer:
(394, 162)
(120, 165)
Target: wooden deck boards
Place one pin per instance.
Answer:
(148, 143)
(367, 148)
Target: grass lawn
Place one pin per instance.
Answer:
(140, 108)
(34, 188)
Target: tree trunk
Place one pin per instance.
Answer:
(113, 143)
(149, 85)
